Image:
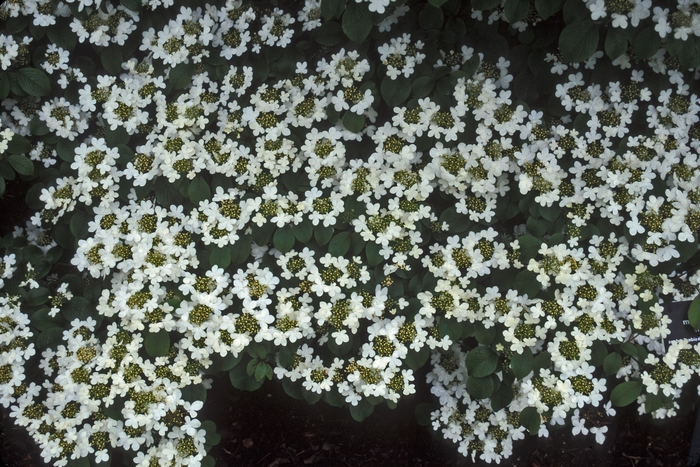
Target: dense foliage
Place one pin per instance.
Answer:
(336, 194)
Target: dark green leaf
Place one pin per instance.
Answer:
(323, 234)
(536, 226)
(332, 8)
(198, 190)
(437, 3)
(485, 4)
(283, 239)
(646, 43)
(181, 74)
(529, 247)
(33, 81)
(516, 10)
(530, 419)
(653, 402)
(62, 36)
(38, 127)
(422, 86)
(339, 244)
(111, 59)
(373, 256)
(480, 388)
(612, 363)
(49, 337)
(133, 5)
(502, 397)
(625, 393)
(578, 41)
(395, 91)
(353, 122)
(430, 17)
(329, 34)
(362, 410)
(157, 344)
(526, 283)
(546, 8)
(220, 257)
(303, 231)
(694, 313)
(422, 413)
(240, 379)
(21, 164)
(19, 145)
(208, 461)
(79, 224)
(481, 361)
(356, 22)
(521, 363)
(194, 392)
(615, 43)
(456, 222)
(416, 359)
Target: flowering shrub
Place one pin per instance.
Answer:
(337, 194)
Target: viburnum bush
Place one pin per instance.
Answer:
(335, 194)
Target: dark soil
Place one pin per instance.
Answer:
(268, 428)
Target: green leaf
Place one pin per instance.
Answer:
(625, 393)
(395, 91)
(646, 43)
(612, 363)
(157, 344)
(521, 363)
(283, 239)
(353, 122)
(578, 41)
(111, 59)
(49, 337)
(208, 461)
(694, 313)
(66, 149)
(220, 257)
(422, 413)
(481, 361)
(536, 226)
(362, 410)
(530, 419)
(546, 8)
(21, 164)
(166, 193)
(4, 85)
(516, 10)
(485, 4)
(373, 256)
(437, 3)
(615, 43)
(62, 36)
(133, 5)
(33, 81)
(340, 350)
(181, 74)
(311, 397)
(450, 327)
(292, 389)
(339, 244)
(431, 17)
(198, 190)
(194, 392)
(332, 8)
(526, 283)
(329, 34)
(422, 86)
(356, 22)
(529, 247)
(480, 388)
(79, 224)
(653, 402)
(260, 371)
(240, 379)
(303, 231)
(502, 397)
(416, 359)
(334, 398)
(456, 222)
(629, 349)
(323, 234)
(241, 250)
(19, 145)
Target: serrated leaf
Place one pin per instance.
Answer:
(19, 145)
(526, 283)
(612, 363)
(283, 239)
(339, 244)
(578, 41)
(536, 226)
(303, 231)
(615, 43)
(480, 388)
(49, 337)
(194, 392)
(395, 91)
(157, 344)
(546, 8)
(362, 410)
(481, 361)
(180, 75)
(625, 393)
(431, 17)
(240, 379)
(694, 313)
(653, 402)
(62, 36)
(422, 86)
(332, 8)
(416, 359)
(21, 164)
(356, 21)
(373, 256)
(530, 419)
(198, 190)
(521, 363)
(79, 224)
(220, 257)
